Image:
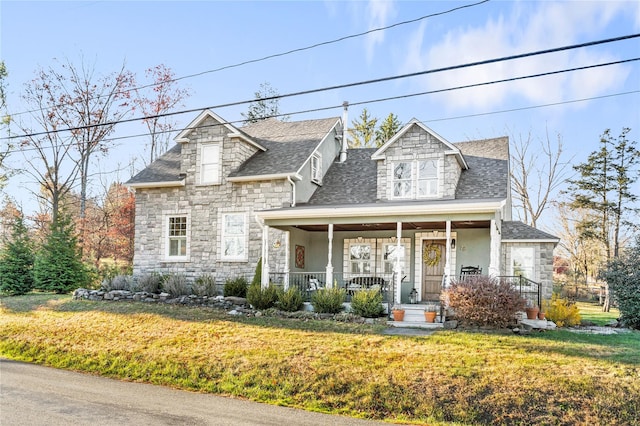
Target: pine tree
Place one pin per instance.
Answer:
(388, 129)
(58, 265)
(266, 105)
(16, 261)
(363, 131)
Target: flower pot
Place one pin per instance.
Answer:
(541, 315)
(429, 316)
(398, 315)
(532, 313)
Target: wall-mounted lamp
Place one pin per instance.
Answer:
(453, 243)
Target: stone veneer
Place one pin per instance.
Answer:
(417, 144)
(204, 206)
(543, 263)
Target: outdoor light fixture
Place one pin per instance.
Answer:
(413, 296)
(453, 243)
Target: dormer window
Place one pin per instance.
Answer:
(210, 164)
(415, 179)
(316, 168)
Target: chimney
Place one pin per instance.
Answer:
(345, 115)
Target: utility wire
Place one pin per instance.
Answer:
(342, 86)
(420, 94)
(288, 52)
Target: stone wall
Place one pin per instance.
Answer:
(543, 263)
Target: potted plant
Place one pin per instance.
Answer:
(532, 311)
(541, 315)
(430, 313)
(398, 313)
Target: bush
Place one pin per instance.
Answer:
(328, 300)
(16, 261)
(262, 298)
(204, 285)
(257, 276)
(176, 285)
(561, 311)
(484, 301)
(290, 300)
(367, 303)
(623, 277)
(236, 287)
(150, 282)
(119, 282)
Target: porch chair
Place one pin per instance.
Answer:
(466, 271)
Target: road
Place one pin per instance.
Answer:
(35, 395)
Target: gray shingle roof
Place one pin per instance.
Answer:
(166, 168)
(289, 145)
(488, 173)
(351, 182)
(517, 230)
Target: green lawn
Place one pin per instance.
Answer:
(450, 377)
(592, 312)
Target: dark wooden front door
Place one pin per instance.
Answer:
(433, 260)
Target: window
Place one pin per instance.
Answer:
(390, 254)
(316, 168)
(402, 180)
(523, 262)
(234, 237)
(360, 258)
(210, 164)
(427, 178)
(177, 237)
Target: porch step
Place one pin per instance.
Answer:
(415, 324)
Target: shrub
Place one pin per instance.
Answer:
(16, 261)
(236, 287)
(290, 300)
(623, 277)
(561, 311)
(176, 285)
(204, 285)
(328, 300)
(150, 282)
(262, 298)
(257, 276)
(484, 301)
(119, 282)
(367, 303)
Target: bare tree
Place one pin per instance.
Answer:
(536, 172)
(4, 120)
(163, 96)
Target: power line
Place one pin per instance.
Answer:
(422, 94)
(346, 85)
(288, 52)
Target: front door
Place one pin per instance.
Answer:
(433, 260)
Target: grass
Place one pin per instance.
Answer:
(450, 377)
(592, 312)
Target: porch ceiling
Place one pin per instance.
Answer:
(391, 226)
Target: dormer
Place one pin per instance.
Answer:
(417, 164)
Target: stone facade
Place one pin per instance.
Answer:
(417, 144)
(543, 263)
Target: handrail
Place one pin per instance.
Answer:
(525, 282)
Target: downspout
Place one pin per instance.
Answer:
(293, 191)
(345, 115)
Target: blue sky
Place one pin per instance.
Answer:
(192, 37)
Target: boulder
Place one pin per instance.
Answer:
(240, 301)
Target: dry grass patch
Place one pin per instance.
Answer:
(448, 377)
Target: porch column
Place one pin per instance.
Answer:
(287, 259)
(447, 262)
(397, 268)
(329, 270)
(265, 257)
(494, 259)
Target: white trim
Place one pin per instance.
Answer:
(532, 241)
(381, 210)
(242, 136)
(166, 216)
(275, 176)
(166, 184)
(316, 170)
(217, 180)
(338, 121)
(182, 136)
(433, 235)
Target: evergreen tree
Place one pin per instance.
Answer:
(266, 105)
(16, 261)
(388, 129)
(363, 131)
(58, 265)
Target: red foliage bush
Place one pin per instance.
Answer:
(484, 301)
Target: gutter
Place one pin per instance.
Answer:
(275, 176)
(293, 191)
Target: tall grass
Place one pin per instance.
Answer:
(446, 378)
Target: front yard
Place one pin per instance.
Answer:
(449, 377)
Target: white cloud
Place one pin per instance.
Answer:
(378, 13)
(526, 27)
